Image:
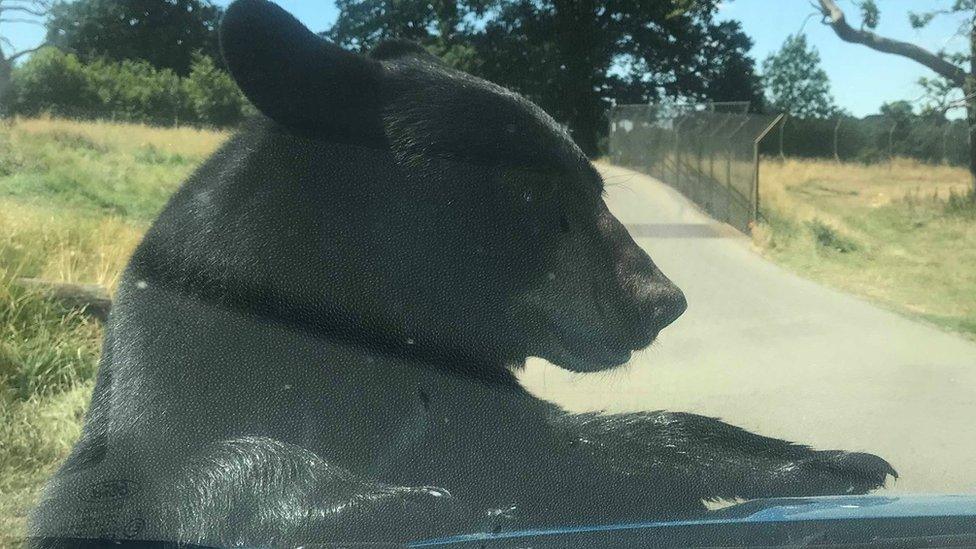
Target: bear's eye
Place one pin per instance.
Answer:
(563, 223)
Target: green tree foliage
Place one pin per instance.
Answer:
(364, 23)
(213, 96)
(730, 74)
(940, 89)
(870, 14)
(794, 81)
(51, 81)
(57, 83)
(164, 33)
(901, 112)
(136, 91)
(573, 57)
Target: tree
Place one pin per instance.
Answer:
(438, 24)
(794, 81)
(54, 82)
(17, 11)
(576, 57)
(213, 96)
(956, 71)
(898, 111)
(165, 33)
(573, 57)
(730, 72)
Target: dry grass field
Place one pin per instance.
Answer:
(901, 234)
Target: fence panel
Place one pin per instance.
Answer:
(875, 138)
(706, 152)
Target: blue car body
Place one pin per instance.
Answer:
(836, 521)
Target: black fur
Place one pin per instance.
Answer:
(315, 340)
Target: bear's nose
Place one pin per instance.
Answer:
(660, 303)
(668, 305)
(656, 300)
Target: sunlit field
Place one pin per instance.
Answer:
(901, 234)
(74, 200)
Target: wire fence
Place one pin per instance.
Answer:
(873, 139)
(710, 153)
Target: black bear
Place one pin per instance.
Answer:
(315, 341)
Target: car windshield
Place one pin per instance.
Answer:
(287, 273)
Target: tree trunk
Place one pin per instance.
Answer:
(969, 89)
(891, 145)
(6, 73)
(92, 299)
(576, 38)
(836, 134)
(782, 130)
(971, 121)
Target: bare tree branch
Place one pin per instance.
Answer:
(37, 8)
(40, 5)
(834, 17)
(39, 12)
(15, 56)
(21, 20)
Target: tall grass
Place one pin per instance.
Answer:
(903, 235)
(99, 167)
(75, 199)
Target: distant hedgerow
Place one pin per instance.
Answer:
(57, 83)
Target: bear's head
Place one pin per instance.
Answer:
(476, 229)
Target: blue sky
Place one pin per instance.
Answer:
(861, 79)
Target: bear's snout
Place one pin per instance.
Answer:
(649, 300)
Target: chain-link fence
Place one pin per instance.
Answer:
(872, 139)
(707, 152)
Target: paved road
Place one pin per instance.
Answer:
(774, 353)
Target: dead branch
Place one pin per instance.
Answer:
(92, 299)
(834, 17)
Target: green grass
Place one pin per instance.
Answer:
(903, 236)
(86, 167)
(74, 200)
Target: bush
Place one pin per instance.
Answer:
(963, 205)
(135, 91)
(57, 83)
(826, 237)
(54, 82)
(214, 97)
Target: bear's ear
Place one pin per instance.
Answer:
(299, 79)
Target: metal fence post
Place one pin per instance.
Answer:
(755, 165)
(836, 133)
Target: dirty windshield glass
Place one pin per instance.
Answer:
(496, 272)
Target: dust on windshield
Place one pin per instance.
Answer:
(276, 273)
